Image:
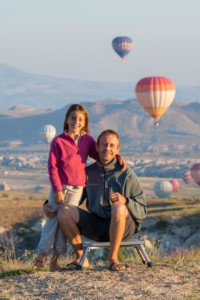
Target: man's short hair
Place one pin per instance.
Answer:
(108, 131)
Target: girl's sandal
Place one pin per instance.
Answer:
(54, 268)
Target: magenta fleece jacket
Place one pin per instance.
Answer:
(67, 160)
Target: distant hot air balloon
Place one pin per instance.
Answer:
(122, 45)
(186, 176)
(47, 133)
(175, 185)
(163, 189)
(155, 94)
(195, 173)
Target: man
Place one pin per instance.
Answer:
(115, 201)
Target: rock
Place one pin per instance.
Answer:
(4, 186)
(149, 222)
(182, 232)
(168, 242)
(148, 243)
(193, 241)
(2, 230)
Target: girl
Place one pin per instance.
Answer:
(66, 167)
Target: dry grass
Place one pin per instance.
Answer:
(20, 207)
(173, 207)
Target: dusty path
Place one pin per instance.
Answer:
(163, 281)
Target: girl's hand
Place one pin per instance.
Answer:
(121, 161)
(59, 197)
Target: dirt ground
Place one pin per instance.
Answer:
(162, 281)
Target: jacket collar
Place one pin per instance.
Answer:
(108, 167)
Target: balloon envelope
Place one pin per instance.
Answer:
(163, 189)
(47, 133)
(195, 172)
(155, 94)
(175, 185)
(122, 45)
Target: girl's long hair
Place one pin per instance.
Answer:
(83, 110)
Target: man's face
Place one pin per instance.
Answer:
(108, 147)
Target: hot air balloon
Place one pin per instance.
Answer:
(175, 185)
(155, 94)
(186, 176)
(195, 172)
(163, 189)
(47, 133)
(122, 45)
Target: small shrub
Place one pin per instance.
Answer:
(7, 245)
(4, 195)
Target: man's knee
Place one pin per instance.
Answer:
(63, 214)
(67, 214)
(119, 210)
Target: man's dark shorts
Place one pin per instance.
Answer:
(97, 229)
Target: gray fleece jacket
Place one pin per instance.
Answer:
(103, 180)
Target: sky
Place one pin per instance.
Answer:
(72, 38)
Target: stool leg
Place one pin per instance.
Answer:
(83, 257)
(142, 252)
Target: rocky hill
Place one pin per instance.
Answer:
(178, 132)
(18, 87)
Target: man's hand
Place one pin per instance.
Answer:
(115, 197)
(48, 211)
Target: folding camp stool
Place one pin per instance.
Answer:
(135, 243)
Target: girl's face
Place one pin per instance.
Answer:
(76, 122)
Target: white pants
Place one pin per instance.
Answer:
(52, 237)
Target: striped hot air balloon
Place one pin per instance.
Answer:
(163, 189)
(155, 94)
(195, 172)
(175, 185)
(122, 45)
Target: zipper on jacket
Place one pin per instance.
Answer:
(107, 191)
(105, 203)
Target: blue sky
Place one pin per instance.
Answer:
(72, 38)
